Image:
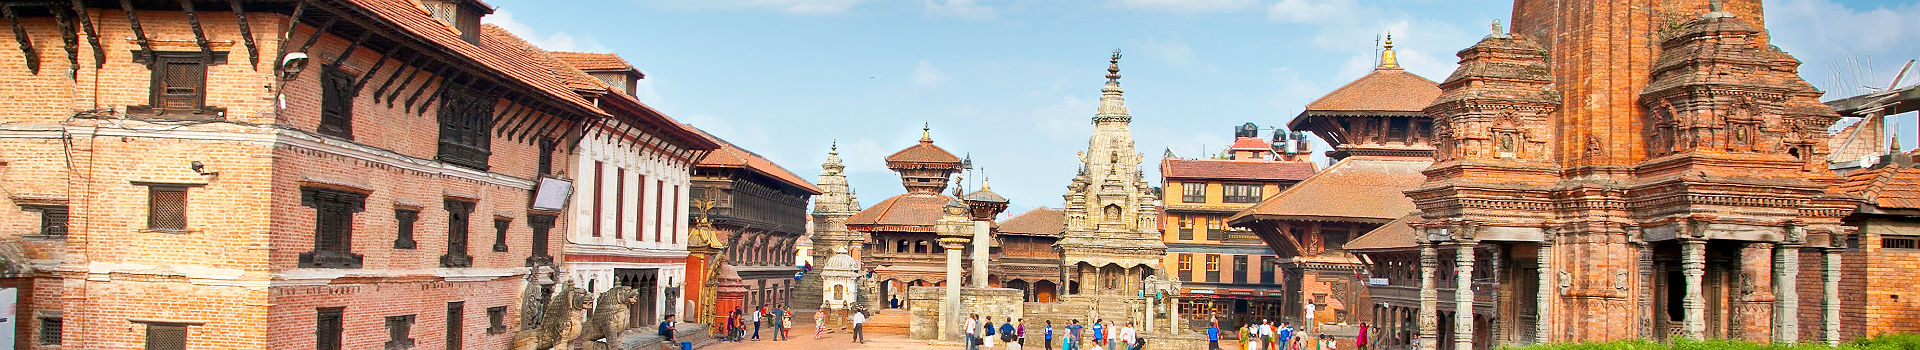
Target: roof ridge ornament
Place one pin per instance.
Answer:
(1387, 57)
(1716, 10)
(926, 132)
(1113, 68)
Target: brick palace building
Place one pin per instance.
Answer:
(760, 209)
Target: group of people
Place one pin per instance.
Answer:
(983, 334)
(1268, 336)
(781, 318)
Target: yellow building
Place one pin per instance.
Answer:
(1226, 272)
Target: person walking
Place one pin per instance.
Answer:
(1360, 341)
(755, 317)
(1213, 336)
(1072, 341)
(1020, 332)
(1099, 333)
(1113, 335)
(786, 320)
(1245, 342)
(1308, 325)
(991, 332)
(973, 333)
(859, 323)
(1129, 338)
(819, 323)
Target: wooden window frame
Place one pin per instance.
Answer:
(496, 319)
(456, 325)
(1239, 269)
(466, 124)
(405, 221)
(537, 251)
(329, 328)
(400, 332)
(53, 220)
(155, 330)
(332, 209)
(195, 107)
(620, 204)
(1899, 242)
(336, 103)
(1250, 193)
(500, 227)
(459, 229)
(1188, 192)
(154, 213)
(48, 332)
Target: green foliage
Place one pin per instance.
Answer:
(1884, 342)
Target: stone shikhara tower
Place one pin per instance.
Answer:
(830, 234)
(1112, 239)
(1629, 169)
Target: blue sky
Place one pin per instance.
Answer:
(1014, 82)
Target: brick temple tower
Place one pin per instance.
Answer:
(1653, 162)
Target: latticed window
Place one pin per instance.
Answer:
(399, 332)
(327, 329)
(179, 82)
(465, 121)
(169, 336)
(458, 213)
(1241, 193)
(167, 207)
(49, 331)
(1893, 242)
(332, 228)
(336, 103)
(1193, 192)
(404, 220)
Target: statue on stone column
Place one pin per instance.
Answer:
(610, 314)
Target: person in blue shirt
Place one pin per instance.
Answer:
(1286, 334)
(1073, 336)
(1213, 336)
(1048, 336)
(1006, 332)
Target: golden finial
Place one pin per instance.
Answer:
(986, 183)
(1113, 67)
(1387, 59)
(926, 132)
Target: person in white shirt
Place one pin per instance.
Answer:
(756, 324)
(1308, 325)
(859, 320)
(1129, 336)
(973, 331)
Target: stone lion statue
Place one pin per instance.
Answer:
(610, 314)
(557, 326)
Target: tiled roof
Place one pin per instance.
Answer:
(1039, 221)
(923, 152)
(732, 156)
(498, 39)
(1251, 144)
(1356, 189)
(1889, 187)
(1221, 169)
(906, 212)
(1383, 90)
(984, 195)
(1393, 235)
(506, 59)
(597, 62)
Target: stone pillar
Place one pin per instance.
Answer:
(1463, 294)
(1830, 306)
(1786, 305)
(1173, 326)
(981, 245)
(951, 314)
(1693, 264)
(1543, 322)
(1429, 298)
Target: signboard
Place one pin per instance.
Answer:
(9, 315)
(1376, 281)
(552, 194)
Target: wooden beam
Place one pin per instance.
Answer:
(20, 35)
(516, 119)
(293, 22)
(377, 64)
(69, 38)
(199, 36)
(396, 75)
(317, 32)
(441, 73)
(139, 35)
(442, 90)
(554, 120)
(406, 81)
(246, 33)
(348, 52)
(86, 23)
(536, 119)
(506, 115)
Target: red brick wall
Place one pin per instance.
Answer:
(366, 307)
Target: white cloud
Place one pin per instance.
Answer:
(798, 7)
(926, 74)
(958, 9)
(1188, 6)
(1831, 38)
(1312, 11)
(551, 42)
(1171, 53)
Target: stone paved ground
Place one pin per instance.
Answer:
(842, 341)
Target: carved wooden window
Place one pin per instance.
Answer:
(1193, 192)
(496, 319)
(53, 219)
(547, 146)
(166, 336)
(542, 226)
(1239, 269)
(327, 329)
(455, 324)
(500, 226)
(465, 121)
(167, 207)
(1242, 193)
(403, 232)
(336, 103)
(1397, 128)
(49, 330)
(399, 332)
(179, 83)
(458, 214)
(332, 228)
